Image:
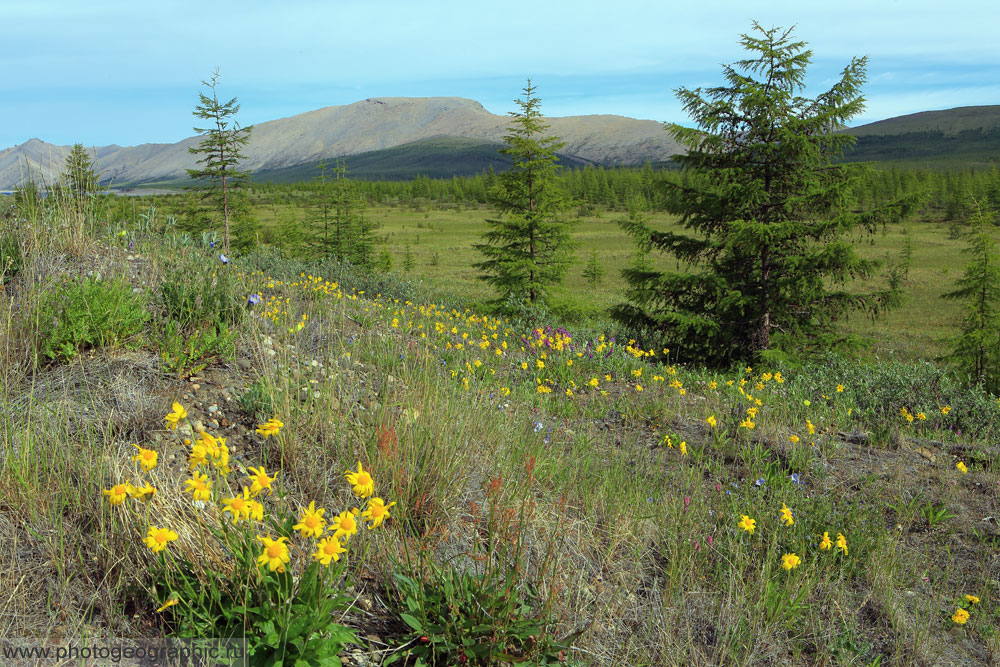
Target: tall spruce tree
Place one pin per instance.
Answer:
(766, 213)
(976, 350)
(80, 174)
(222, 148)
(528, 247)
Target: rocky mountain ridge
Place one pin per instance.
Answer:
(336, 131)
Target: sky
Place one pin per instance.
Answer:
(113, 72)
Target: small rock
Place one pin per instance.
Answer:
(214, 423)
(243, 364)
(213, 408)
(195, 386)
(224, 422)
(365, 603)
(198, 426)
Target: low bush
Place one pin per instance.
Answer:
(91, 313)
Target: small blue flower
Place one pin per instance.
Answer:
(759, 482)
(796, 479)
(538, 426)
(225, 260)
(211, 244)
(254, 299)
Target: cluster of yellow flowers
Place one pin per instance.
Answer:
(961, 614)
(210, 451)
(790, 561)
(312, 525)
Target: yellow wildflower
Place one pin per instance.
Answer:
(825, 544)
(945, 410)
(960, 616)
(790, 561)
(712, 423)
(238, 505)
(199, 486)
(961, 467)
(270, 427)
(376, 512)
(143, 493)
(117, 493)
(146, 457)
(786, 515)
(171, 601)
(840, 388)
(972, 599)
(275, 553)
(747, 524)
(345, 525)
(842, 543)
(364, 485)
(794, 439)
(260, 481)
(157, 538)
(312, 523)
(255, 510)
(327, 549)
(175, 416)
(683, 448)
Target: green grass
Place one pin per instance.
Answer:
(441, 242)
(573, 512)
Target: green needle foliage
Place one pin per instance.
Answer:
(767, 212)
(80, 174)
(528, 247)
(221, 147)
(976, 350)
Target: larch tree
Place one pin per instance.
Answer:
(221, 149)
(976, 350)
(527, 247)
(766, 214)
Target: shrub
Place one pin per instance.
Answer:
(90, 313)
(187, 355)
(200, 292)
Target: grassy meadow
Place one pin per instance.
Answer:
(341, 470)
(441, 240)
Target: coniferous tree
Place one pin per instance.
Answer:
(222, 148)
(408, 261)
(80, 174)
(593, 272)
(766, 213)
(976, 350)
(527, 248)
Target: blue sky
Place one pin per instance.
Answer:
(108, 71)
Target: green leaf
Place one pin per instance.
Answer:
(412, 622)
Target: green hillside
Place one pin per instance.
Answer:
(969, 135)
(436, 157)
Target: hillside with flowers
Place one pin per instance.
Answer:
(340, 467)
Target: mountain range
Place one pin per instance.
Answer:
(363, 127)
(401, 137)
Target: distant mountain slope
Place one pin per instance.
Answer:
(365, 126)
(962, 135)
(948, 121)
(437, 157)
